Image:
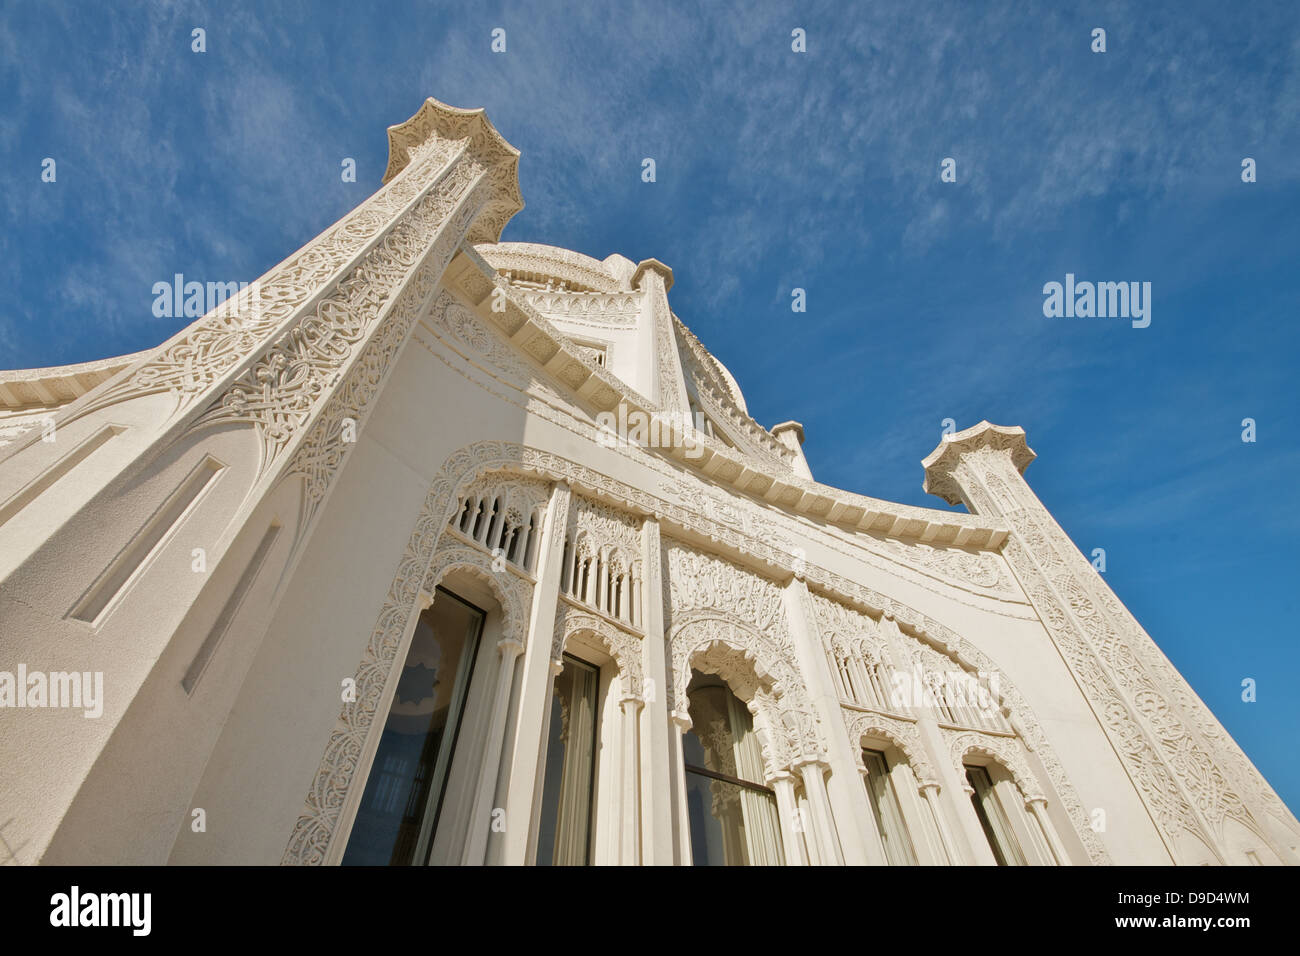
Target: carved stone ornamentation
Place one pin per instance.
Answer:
(622, 646)
(900, 733)
(1187, 770)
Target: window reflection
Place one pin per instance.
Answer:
(399, 809)
(733, 816)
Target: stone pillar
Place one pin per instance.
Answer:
(852, 807)
(682, 723)
(788, 808)
(868, 826)
(1038, 807)
(1158, 726)
(655, 279)
(790, 434)
(814, 785)
(532, 723)
(970, 845)
(630, 821)
(661, 813)
(916, 816)
(948, 844)
(489, 770)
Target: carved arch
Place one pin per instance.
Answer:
(736, 663)
(623, 647)
(902, 735)
(1001, 750)
(513, 594)
(757, 674)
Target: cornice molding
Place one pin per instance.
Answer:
(473, 278)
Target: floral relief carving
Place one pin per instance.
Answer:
(608, 309)
(334, 776)
(206, 350)
(719, 614)
(1001, 749)
(900, 733)
(1190, 774)
(277, 393)
(623, 647)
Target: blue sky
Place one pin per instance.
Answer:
(777, 170)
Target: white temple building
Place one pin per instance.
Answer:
(428, 548)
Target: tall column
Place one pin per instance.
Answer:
(852, 807)
(952, 800)
(661, 813)
(1157, 725)
(948, 844)
(814, 785)
(917, 817)
(867, 825)
(534, 716)
(681, 723)
(655, 279)
(297, 362)
(630, 821)
(947, 795)
(792, 831)
(476, 840)
(1038, 807)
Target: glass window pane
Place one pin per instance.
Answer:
(1006, 850)
(733, 817)
(564, 833)
(889, 815)
(399, 808)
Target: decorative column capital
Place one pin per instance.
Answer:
(510, 647)
(655, 266)
(682, 720)
(941, 464)
(808, 761)
(435, 122)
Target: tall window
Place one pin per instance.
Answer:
(997, 828)
(398, 816)
(889, 815)
(733, 816)
(564, 835)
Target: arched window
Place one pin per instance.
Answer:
(398, 816)
(733, 814)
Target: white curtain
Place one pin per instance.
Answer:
(761, 822)
(575, 687)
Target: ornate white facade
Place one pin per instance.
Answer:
(263, 532)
